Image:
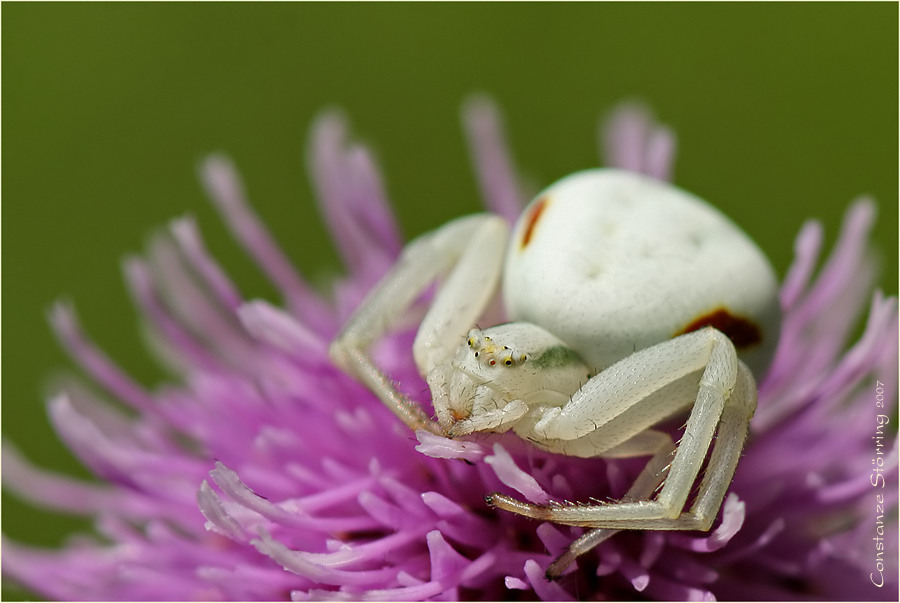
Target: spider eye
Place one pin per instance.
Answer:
(508, 362)
(476, 354)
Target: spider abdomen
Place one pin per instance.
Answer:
(612, 261)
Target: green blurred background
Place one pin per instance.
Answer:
(783, 112)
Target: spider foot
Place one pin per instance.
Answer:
(560, 564)
(513, 505)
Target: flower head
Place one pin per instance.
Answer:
(264, 472)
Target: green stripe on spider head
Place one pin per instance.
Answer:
(555, 357)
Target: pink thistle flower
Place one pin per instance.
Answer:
(266, 473)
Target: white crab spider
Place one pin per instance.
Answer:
(624, 291)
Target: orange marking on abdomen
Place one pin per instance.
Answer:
(740, 331)
(536, 211)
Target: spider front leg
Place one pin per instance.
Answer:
(651, 476)
(613, 410)
(732, 432)
(468, 252)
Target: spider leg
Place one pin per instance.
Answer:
(469, 252)
(675, 359)
(726, 452)
(652, 475)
